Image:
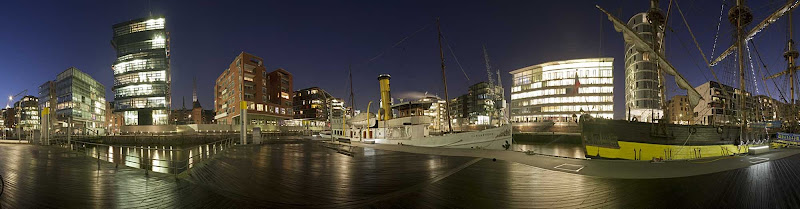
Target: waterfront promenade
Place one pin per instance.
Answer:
(304, 174)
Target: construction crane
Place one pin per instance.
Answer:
(491, 93)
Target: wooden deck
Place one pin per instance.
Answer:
(307, 175)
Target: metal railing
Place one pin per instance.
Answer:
(163, 160)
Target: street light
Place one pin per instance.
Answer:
(329, 110)
(18, 113)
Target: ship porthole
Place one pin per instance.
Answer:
(692, 130)
(719, 130)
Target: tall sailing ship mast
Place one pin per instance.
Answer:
(740, 16)
(791, 55)
(444, 77)
(622, 139)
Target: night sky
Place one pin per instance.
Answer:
(316, 41)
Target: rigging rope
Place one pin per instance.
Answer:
(716, 35)
(752, 70)
(396, 44)
(454, 56)
(767, 70)
(695, 42)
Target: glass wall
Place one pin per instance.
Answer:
(557, 91)
(142, 71)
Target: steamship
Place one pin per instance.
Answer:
(412, 127)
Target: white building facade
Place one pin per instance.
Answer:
(549, 91)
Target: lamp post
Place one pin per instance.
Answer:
(329, 109)
(18, 114)
(366, 126)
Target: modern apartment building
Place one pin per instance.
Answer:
(477, 107)
(678, 110)
(6, 119)
(315, 103)
(722, 105)
(141, 71)
(268, 94)
(77, 96)
(26, 110)
(643, 95)
(437, 111)
(769, 109)
(558, 91)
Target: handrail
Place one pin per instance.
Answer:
(173, 164)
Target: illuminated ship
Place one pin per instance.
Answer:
(659, 140)
(413, 127)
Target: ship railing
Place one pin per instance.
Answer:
(175, 163)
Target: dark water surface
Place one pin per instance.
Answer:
(162, 159)
(307, 175)
(556, 145)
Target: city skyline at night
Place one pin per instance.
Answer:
(319, 50)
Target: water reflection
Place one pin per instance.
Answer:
(159, 159)
(551, 148)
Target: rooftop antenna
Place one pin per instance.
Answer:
(149, 8)
(194, 89)
(352, 97)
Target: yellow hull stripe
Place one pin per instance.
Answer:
(645, 151)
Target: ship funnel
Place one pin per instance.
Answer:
(385, 113)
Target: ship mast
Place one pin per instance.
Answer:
(791, 55)
(444, 77)
(740, 16)
(656, 18)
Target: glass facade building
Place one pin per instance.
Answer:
(75, 94)
(27, 111)
(142, 71)
(549, 91)
(643, 95)
(477, 107)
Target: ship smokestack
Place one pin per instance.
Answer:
(385, 113)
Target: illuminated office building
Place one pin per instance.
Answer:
(642, 92)
(27, 111)
(477, 106)
(75, 95)
(141, 71)
(548, 91)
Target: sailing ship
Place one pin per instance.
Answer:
(412, 127)
(632, 140)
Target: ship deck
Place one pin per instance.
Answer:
(307, 175)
